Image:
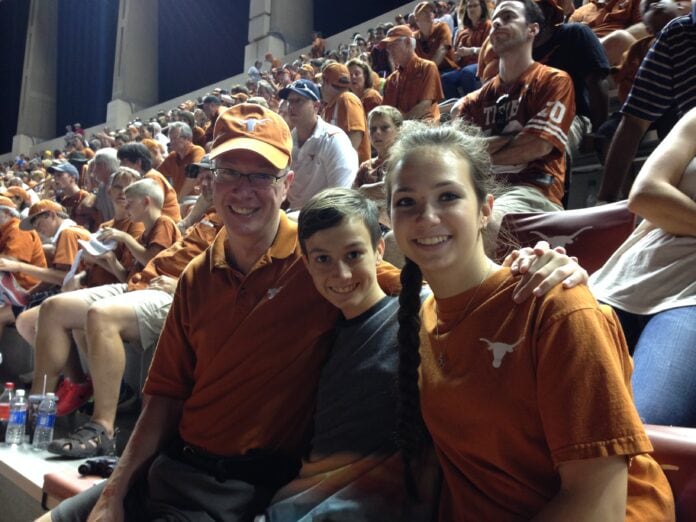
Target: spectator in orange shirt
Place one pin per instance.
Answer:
(361, 84)
(210, 106)
(73, 199)
(414, 87)
(343, 109)
(184, 152)
(474, 26)
(433, 39)
(318, 45)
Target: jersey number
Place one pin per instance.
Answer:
(554, 111)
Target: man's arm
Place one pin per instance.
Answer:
(523, 148)
(156, 425)
(598, 93)
(419, 110)
(655, 194)
(355, 138)
(622, 151)
(341, 161)
(592, 489)
(46, 275)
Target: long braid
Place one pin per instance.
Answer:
(411, 431)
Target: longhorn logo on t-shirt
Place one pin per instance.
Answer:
(500, 350)
(559, 241)
(272, 292)
(252, 123)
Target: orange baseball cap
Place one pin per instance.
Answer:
(7, 204)
(251, 127)
(423, 6)
(41, 207)
(336, 74)
(18, 191)
(395, 33)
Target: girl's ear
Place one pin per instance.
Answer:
(379, 249)
(486, 211)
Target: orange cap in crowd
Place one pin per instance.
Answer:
(423, 6)
(41, 207)
(255, 128)
(19, 191)
(395, 33)
(336, 74)
(7, 204)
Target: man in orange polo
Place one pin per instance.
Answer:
(414, 87)
(344, 109)
(183, 153)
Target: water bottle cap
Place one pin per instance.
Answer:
(50, 395)
(9, 386)
(20, 393)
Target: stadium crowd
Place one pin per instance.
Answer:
(398, 154)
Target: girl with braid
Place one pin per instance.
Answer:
(528, 405)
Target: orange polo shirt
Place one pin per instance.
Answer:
(23, 246)
(174, 167)
(608, 17)
(419, 80)
(171, 204)
(67, 245)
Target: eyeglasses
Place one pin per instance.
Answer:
(501, 119)
(256, 179)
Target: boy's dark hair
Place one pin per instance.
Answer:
(330, 207)
(136, 151)
(533, 13)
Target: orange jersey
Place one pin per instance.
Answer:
(346, 112)
(24, 246)
(174, 167)
(524, 388)
(440, 36)
(608, 17)
(540, 103)
(67, 245)
(172, 261)
(407, 86)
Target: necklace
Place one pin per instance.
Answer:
(441, 358)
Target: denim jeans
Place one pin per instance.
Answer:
(461, 82)
(664, 357)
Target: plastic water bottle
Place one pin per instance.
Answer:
(43, 434)
(18, 419)
(5, 400)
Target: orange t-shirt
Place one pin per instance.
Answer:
(419, 80)
(173, 167)
(172, 261)
(164, 233)
(472, 38)
(426, 48)
(540, 103)
(171, 203)
(198, 136)
(346, 112)
(67, 245)
(24, 246)
(370, 99)
(608, 17)
(98, 275)
(524, 388)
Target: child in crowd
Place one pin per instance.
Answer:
(529, 406)
(353, 467)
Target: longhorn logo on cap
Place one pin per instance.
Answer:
(252, 123)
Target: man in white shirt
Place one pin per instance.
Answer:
(322, 154)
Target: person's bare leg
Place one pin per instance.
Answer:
(26, 324)
(617, 43)
(107, 326)
(73, 368)
(58, 316)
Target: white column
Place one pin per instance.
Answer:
(279, 27)
(36, 120)
(135, 84)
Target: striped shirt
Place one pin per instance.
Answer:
(666, 76)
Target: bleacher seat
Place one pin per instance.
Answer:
(590, 234)
(675, 451)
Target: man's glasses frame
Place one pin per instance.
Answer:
(255, 179)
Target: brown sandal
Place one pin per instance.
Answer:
(89, 440)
